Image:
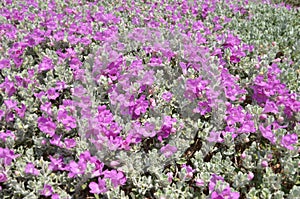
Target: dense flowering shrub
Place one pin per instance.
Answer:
(159, 99)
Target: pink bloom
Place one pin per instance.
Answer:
(288, 140)
(30, 169)
(3, 177)
(213, 181)
(170, 176)
(7, 134)
(264, 163)
(167, 96)
(189, 171)
(116, 177)
(55, 196)
(226, 193)
(199, 183)
(56, 140)
(52, 94)
(250, 176)
(7, 155)
(21, 111)
(45, 65)
(267, 133)
(168, 150)
(47, 191)
(99, 187)
(70, 143)
(56, 164)
(47, 108)
(4, 63)
(10, 104)
(46, 125)
(76, 168)
(270, 107)
(215, 137)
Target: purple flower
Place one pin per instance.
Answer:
(3, 177)
(189, 171)
(226, 193)
(68, 121)
(167, 128)
(213, 181)
(116, 177)
(267, 133)
(10, 104)
(30, 169)
(52, 94)
(4, 63)
(170, 176)
(264, 163)
(45, 65)
(56, 140)
(270, 107)
(168, 150)
(47, 108)
(288, 140)
(55, 196)
(46, 125)
(140, 107)
(202, 108)
(167, 96)
(199, 183)
(8, 86)
(99, 187)
(47, 191)
(56, 163)
(7, 155)
(250, 176)
(247, 127)
(76, 168)
(98, 168)
(21, 111)
(215, 137)
(70, 143)
(8, 133)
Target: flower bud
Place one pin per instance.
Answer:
(263, 116)
(280, 119)
(250, 176)
(243, 156)
(270, 156)
(264, 163)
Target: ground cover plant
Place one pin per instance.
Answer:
(149, 99)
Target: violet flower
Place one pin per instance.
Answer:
(98, 188)
(168, 150)
(46, 125)
(30, 169)
(288, 140)
(117, 177)
(47, 190)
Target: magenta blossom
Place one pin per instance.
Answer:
(99, 187)
(30, 169)
(288, 140)
(267, 133)
(47, 191)
(46, 64)
(3, 177)
(167, 96)
(76, 168)
(117, 177)
(226, 193)
(46, 125)
(168, 150)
